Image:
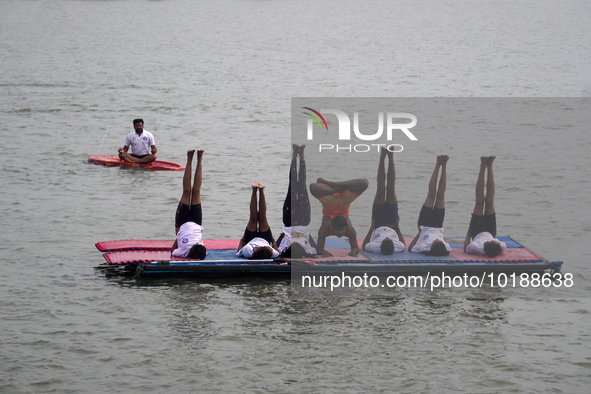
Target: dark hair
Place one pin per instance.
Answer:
(438, 249)
(137, 121)
(387, 246)
(339, 221)
(197, 252)
(492, 249)
(296, 251)
(262, 254)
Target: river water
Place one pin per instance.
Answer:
(220, 75)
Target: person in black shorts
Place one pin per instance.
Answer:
(257, 243)
(384, 235)
(430, 240)
(295, 240)
(188, 217)
(481, 237)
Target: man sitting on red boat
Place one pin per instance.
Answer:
(143, 146)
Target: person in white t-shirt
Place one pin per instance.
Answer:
(257, 243)
(481, 237)
(430, 240)
(384, 235)
(188, 217)
(143, 146)
(295, 240)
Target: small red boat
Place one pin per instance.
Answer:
(115, 161)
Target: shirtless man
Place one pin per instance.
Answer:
(336, 198)
(384, 235)
(481, 237)
(257, 243)
(430, 240)
(143, 147)
(187, 221)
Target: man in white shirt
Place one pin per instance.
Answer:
(384, 235)
(295, 240)
(481, 237)
(143, 146)
(188, 217)
(257, 243)
(430, 240)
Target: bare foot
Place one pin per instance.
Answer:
(389, 153)
(443, 158)
(484, 160)
(200, 154)
(491, 159)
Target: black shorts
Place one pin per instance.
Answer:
(138, 156)
(185, 213)
(483, 223)
(250, 235)
(431, 217)
(385, 214)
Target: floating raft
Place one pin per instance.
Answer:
(152, 258)
(115, 161)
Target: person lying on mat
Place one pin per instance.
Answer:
(481, 237)
(257, 243)
(295, 240)
(143, 147)
(384, 235)
(187, 220)
(336, 198)
(430, 240)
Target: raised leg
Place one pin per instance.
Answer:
(263, 224)
(186, 197)
(479, 205)
(289, 202)
(440, 196)
(254, 214)
(432, 191)
(490, 188)
(196, 192)
(380, 197)
(391, 185)
(302, 200)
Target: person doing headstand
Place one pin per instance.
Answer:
(481, 237)
(188, 217)
(430, 240)
(295, 240)
(257, 243)
(384, 235)
(336, 198)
